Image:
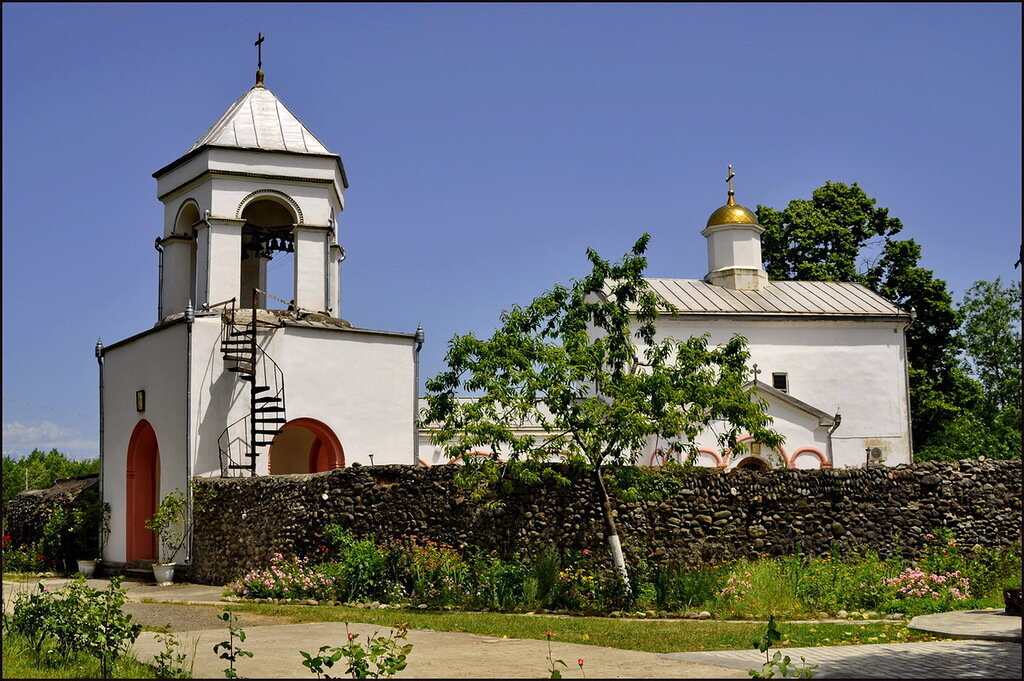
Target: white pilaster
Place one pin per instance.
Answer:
(222, 264)
(311, 272)
(176, 287)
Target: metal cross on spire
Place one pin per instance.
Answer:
(729, 180)
(259, 54)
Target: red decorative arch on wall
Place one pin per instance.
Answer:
(142, 491)
(719, 461)
(477, 452)
(822, 459)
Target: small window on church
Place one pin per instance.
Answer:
(780, 381)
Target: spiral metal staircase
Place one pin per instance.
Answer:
(243, 441)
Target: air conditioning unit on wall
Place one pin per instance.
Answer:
(874, 456)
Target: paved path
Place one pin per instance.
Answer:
(456, 655)
(928, 660)
(989, 625)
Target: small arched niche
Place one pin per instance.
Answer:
(268, 250)
(753, 463)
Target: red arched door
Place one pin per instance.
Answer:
(305, 446)
(143, 487)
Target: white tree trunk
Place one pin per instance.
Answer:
(612, 531)
(619, 559)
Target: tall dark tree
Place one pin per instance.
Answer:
(841, 235)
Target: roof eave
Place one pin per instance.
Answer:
(902, 317)
(200, 149)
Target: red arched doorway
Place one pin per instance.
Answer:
(305, 446)
(142, 478)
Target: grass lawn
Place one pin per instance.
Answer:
(20, 662)
(655, 636)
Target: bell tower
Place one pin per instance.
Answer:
(256, 185)
(250, 369)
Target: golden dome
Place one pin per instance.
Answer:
(732, 212)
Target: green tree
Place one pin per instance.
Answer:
(990, 424)
(40, 469)
(991, 332)
(583, 362)
(840, 235)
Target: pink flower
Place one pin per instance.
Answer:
(580, 662)
(351, 636)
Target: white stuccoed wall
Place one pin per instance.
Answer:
(155, 363)
(359, 383)
(855, 367)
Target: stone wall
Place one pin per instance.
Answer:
(706, 515)
(27, 513)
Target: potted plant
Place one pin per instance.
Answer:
(170, 522)
(94, 513)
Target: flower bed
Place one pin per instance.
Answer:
(415, 572)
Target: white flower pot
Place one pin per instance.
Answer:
(87, 568)
(164, 574)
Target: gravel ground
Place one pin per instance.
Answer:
(192, 617)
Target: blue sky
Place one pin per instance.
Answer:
(487, 147)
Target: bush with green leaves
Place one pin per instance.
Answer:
(684, 587)
(362, 570)
(500, 584)
(170, 522)
(437, 573)
(169, 663)
(77, 619)
(229, 650)
(845, 579)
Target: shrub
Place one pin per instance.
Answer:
(689, 587)
(546, 568)
(756, 588)
(436, 573)
(853, 582)
(917, 591)
(77, 619)
(500, 584)
(362, 571)
(285, 578)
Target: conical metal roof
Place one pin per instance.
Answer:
(258, 120)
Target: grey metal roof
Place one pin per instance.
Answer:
(799, 298)
(258, 120)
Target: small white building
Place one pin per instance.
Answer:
(234, 379)
(829, 358)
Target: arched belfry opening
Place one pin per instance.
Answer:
(268, 252)
(185, 226)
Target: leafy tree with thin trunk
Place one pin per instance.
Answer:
(585, 363)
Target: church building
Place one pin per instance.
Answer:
(829, 358)
(246, 375)
(237, 378)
